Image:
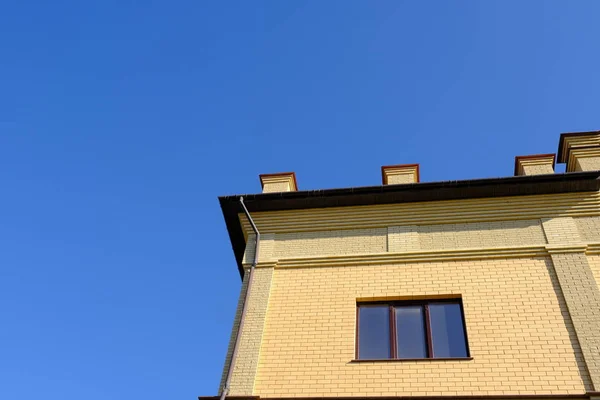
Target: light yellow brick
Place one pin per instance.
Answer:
(251, 339)
(582, 297)
(507, 303)
(589, 228)
(481, 234)
(300, 338)
(351, 241)
(403, 238)
(594, 261)
(561, 230)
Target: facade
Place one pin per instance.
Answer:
(485, 288)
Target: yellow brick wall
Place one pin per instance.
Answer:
(582, 297)
(351, 241)
(403, 238)
(589, 228)
(246, 363)
(561, 231)
(521, 338)
(398, 239)
(234, 331)
(525, 340)
(483, 234)
(266, 251)
(594, 261)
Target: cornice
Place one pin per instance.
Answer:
(426, 213)
(406, 257)
(566, 248)
(429, 256)
(593, 248)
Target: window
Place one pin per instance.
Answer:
(411, 330)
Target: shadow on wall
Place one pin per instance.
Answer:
(583, 372)
(339, 242)
(425, 237)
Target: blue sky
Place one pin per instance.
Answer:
(121, 122)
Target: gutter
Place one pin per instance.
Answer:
(225, 389)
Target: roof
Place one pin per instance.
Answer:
(406, 193)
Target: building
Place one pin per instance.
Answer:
(485, 288)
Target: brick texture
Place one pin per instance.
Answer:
(246, 363)
(577, 284)
(521, 338)
(594, 262)
(589, 228)
(582, 296)
(403, 238)
(234, 331)
(484, 234)
(561, 231)
(250, 247)
(397, 239)
(352, 241)
(532, 323)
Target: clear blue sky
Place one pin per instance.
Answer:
(121, 122)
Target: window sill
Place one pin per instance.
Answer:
(414, 359)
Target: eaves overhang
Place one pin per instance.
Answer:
(406, 193)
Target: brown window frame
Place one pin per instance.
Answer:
(392, 329)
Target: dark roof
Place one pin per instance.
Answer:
(388, 194)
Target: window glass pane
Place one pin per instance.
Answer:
(374, 332)
(410, 332)
(448, 335)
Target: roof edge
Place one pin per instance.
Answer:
(408, 193)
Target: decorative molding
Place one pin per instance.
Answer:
(573, 140)
(425, 213)
(408, 257)
(593, 248)
(578, 146)
(577, 154)
(563, 249)
(429, 256)
(263, 264)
